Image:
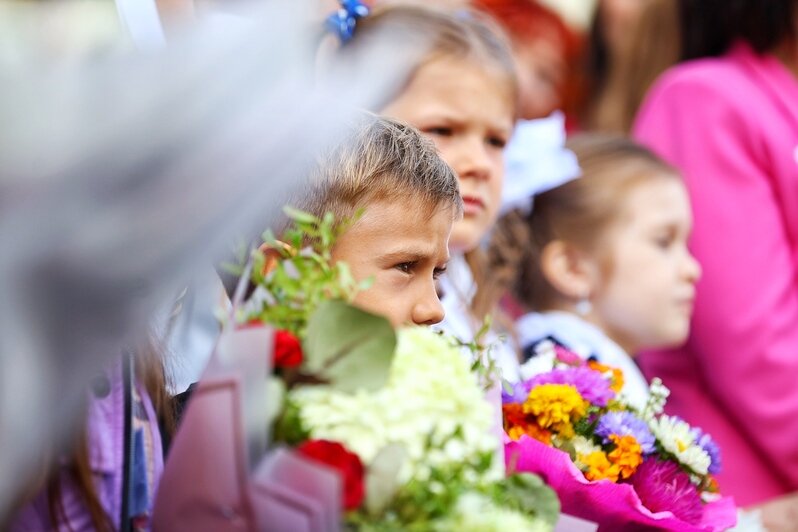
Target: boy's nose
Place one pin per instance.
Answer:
(428, 310)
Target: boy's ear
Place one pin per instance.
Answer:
(569, 270)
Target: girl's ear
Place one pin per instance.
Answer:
(571, 271)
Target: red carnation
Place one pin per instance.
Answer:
(348, 464)
(287, 350)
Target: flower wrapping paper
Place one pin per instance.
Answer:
(615, 507)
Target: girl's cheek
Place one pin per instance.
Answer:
(441, 142)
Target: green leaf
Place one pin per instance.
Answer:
(483, 330)
(382, 478)
(507, 387)
(268, 237)
(232, 268)
(300, 216)
(288, 427)
(532, 495)
(345, 275)
(365, 284)
(351, 348)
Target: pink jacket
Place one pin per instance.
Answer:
(731, 125)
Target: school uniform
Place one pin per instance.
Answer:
(730, 124)
(457, 288)
(582, 338)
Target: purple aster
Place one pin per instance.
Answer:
(590, 384)
(706, 442)
(517, 394)
(663, 486)
(626, 424)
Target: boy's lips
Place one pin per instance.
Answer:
(472, 205)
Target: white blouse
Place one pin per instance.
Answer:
(458, 289)
(584, 339)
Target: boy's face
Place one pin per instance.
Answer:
(404, 250)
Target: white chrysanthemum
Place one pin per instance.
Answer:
(582, 447)
(543, 361)
(658, 389)
(477, 513)
(679, 438)
(657, 397)
(431, 391)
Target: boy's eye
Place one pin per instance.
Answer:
(437, 272)
(405, 267)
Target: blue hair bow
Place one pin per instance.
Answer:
(342, 22)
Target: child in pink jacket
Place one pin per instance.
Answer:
(730, 124)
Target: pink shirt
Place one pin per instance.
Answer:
(731, 125)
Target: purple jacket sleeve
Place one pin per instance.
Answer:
(745, 327)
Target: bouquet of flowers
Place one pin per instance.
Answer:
(399, 414)
(609, 463)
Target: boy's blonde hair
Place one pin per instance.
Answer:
(381, 160)
(580, 212)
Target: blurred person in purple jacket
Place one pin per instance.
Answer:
(727, 117)
(106, 477)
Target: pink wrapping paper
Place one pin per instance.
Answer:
(615, 507)
(208, 481)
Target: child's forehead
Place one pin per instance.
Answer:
(446, 70)
(403, 207)
(659, 201)
(391, 226)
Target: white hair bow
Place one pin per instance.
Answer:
(536, 160)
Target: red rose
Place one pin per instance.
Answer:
(287, 350)
(348, 464)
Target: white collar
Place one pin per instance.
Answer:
(458, 290)
(458, 280)
(584, 339)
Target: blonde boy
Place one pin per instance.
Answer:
(410, 199)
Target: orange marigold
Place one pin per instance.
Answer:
(617, 374)
(627, 454)
(532, 430)
(513, 414)
(599, 467)
(516, 424)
